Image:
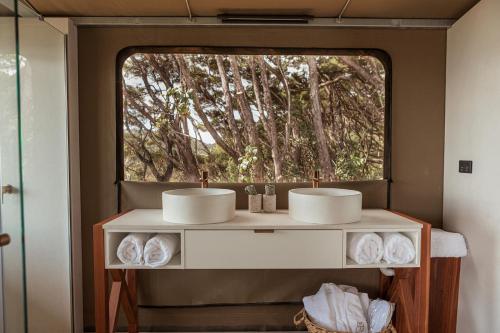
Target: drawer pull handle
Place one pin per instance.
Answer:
(263, 231)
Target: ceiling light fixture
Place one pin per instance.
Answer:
(263, 19)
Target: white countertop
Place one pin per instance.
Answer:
(151, 219)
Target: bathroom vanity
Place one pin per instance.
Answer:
(257, 241)
(260, 241)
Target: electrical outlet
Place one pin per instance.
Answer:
(465, 166)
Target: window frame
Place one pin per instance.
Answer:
(379, 54)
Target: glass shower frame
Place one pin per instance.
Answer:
(13, 260)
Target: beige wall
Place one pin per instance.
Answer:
(418, 60)
(471, 201)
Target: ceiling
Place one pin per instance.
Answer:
(4, 11)
(411, 9)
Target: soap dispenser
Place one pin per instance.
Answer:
(254, 199)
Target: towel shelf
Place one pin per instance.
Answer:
(413, 235)
(113, 238)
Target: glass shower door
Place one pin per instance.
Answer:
(12, 260)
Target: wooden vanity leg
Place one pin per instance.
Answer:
(121, 296)
(409, 288)
(100, 281)
(423, 280)
(445, 281)
(132, 287)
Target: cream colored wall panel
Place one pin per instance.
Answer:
(45, 174)
(471, 201)
(247, 249)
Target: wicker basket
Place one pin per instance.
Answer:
(302, 318)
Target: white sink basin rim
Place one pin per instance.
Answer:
(198, 205)
(324, 205)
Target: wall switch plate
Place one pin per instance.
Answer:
(465, 166)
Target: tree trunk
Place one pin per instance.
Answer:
(247, 116)
(229, 105)
(169, 170)
(271, 120)
(317, 110)
(362, 73)
(142, 153)
(188, 80)
(192, 171)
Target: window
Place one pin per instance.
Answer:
(252, 116)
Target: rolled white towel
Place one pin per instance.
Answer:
(131, 249)
(398, 249)
(379, 315)
(447, 244)
(365, 247)
(160, 249)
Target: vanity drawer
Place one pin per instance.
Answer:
(255, 249)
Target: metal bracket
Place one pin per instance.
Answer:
(7, 189)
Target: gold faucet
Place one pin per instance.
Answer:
(204, 179)
(316, 179)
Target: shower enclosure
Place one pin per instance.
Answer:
(34, 176)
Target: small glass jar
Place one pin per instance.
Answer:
(255, 203)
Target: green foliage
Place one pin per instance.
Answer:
(180, 119)
(247, 162)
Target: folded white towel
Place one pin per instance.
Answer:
(336, 310)
(131, 249)
(447, 244)
(398, 249)
(379, 315)
(160, 249)
(365, 247)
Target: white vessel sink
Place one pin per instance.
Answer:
(324, 205)
(198, 205)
